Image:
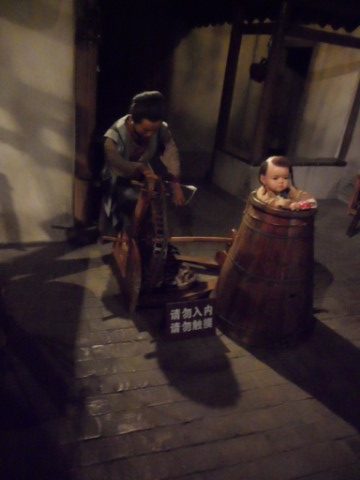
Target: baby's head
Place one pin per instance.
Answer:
(275, 174)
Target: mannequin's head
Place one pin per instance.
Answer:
(147, 112)
(275, 174)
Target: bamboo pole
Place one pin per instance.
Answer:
(113, 238)
(201, 239)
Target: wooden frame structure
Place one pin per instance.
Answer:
(278, 30)
(86, 58)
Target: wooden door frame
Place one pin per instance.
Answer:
(278, 30)
(87, 36)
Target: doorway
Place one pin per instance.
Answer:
(288, 97)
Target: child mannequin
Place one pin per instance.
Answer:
(275, 176)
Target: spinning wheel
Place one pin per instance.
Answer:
(142, 254)
(128, 260)
(152, 236)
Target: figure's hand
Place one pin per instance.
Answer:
(294, 206)
(147, 172)
(307, 204)
(177, 194)
(149, 176)
(303, 205)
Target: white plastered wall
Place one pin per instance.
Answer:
(36, 119)
(195, 93)
(332, 87)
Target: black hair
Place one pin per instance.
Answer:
(148, 105)
(278, 162)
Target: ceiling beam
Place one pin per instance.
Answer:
(303, 32)
(322, 36)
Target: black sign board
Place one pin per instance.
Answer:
(190, 318)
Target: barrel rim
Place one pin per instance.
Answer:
(255, 202)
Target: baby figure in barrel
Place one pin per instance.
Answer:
(275, 176)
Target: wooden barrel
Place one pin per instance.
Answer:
(264, 293)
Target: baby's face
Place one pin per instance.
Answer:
(277, 179)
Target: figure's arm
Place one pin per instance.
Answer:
(119, 165)
(171, 160)
(170, 156)
(301, 200)
(272, 200)
(178, 195)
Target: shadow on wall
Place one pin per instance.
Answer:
(40, 123)
(36, 133)
(46, 13)
(9, 225)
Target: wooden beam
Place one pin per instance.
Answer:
(86, 56)
(350, 127)
(228, 86)
(177, 240)
(305, 33)
(203, 261)
(261, 135)
(321, 36)
(201, 239)
(258, 28)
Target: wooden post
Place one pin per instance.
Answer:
(261, 135)
(86, 58)
(350, 127)
(354, 209)
(228, 85)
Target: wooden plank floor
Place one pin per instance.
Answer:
(89, 393)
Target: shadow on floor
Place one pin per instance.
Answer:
(199, 369)
(37, 376)
(326, 366)
(196, 367)
(323, 278)
(322, 363)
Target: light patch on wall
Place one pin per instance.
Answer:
(55, 141)
(37, 98)
(48, 192)
(28, 65)
(41, 58)
(328, 101)
(336, 71)
(35, 14)
(7, 121)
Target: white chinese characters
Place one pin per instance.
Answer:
(196, 318)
